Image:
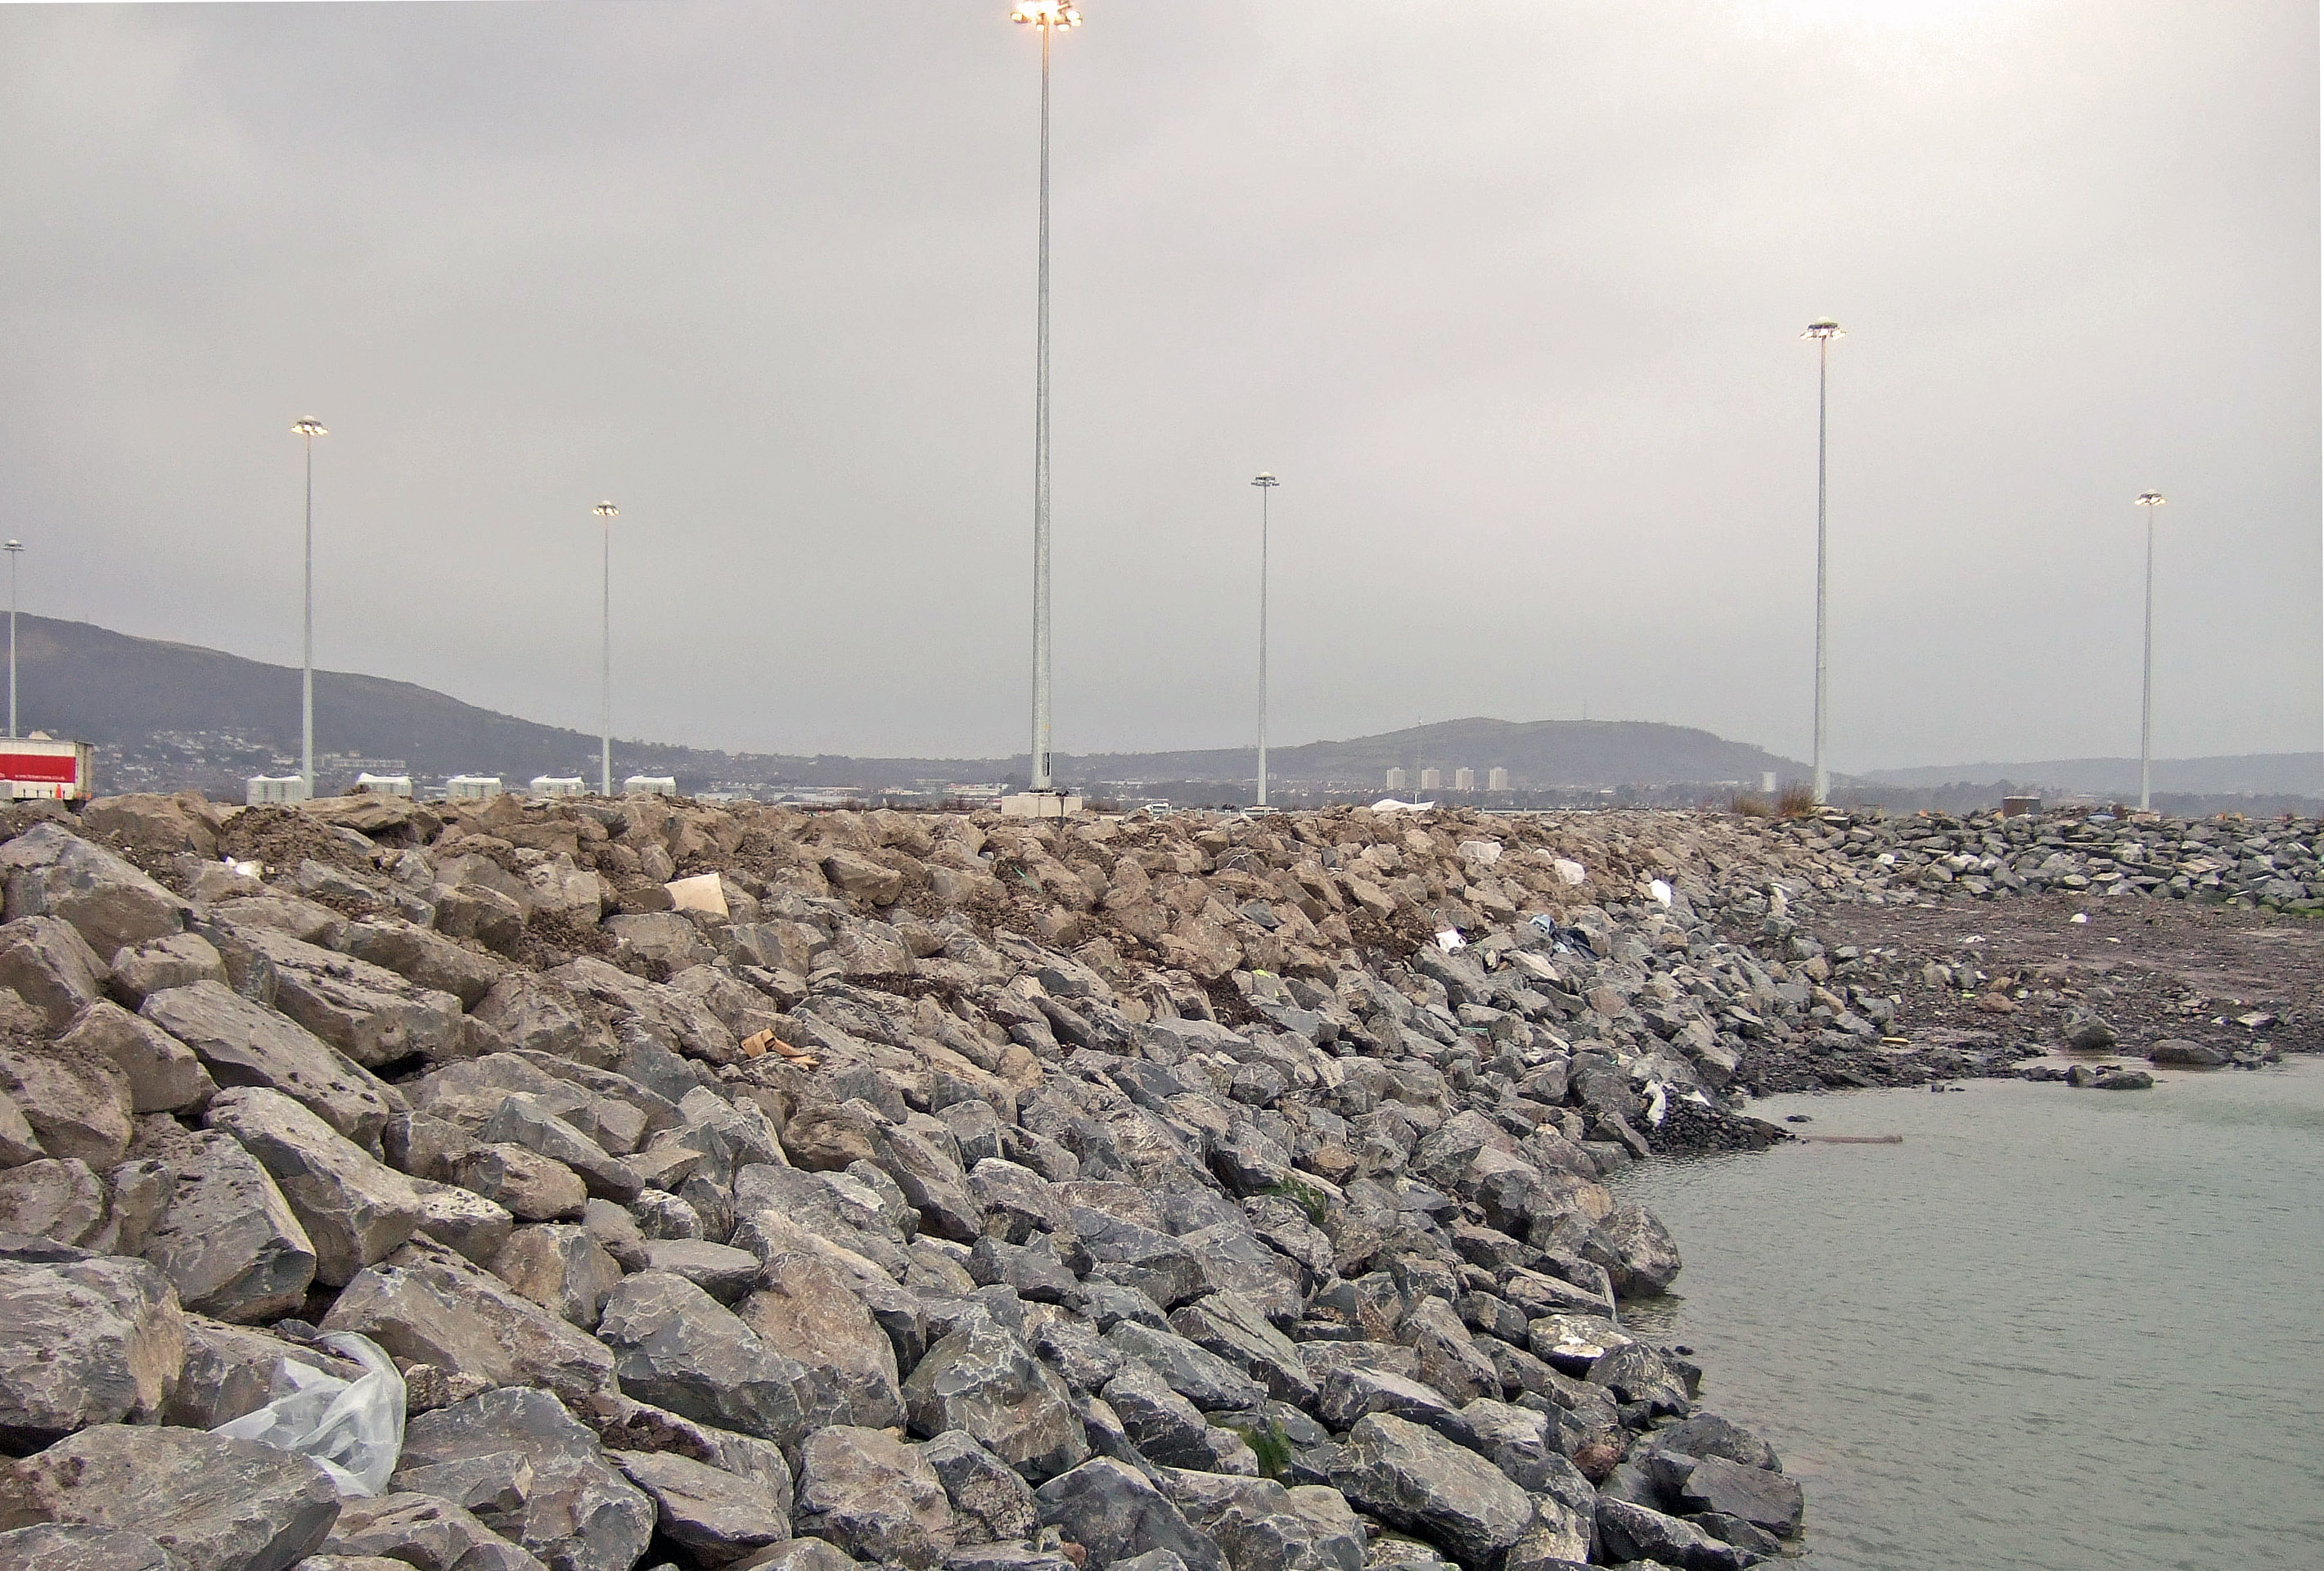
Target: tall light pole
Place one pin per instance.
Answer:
(1823, 332)
(1266, 482)
(307, 430)
(1044, 17)
(15, 549)
(2150, 501)
(606, 512)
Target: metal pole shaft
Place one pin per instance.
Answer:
(1823, 370)
(307, 676)
(605, 674)
(2146, 686)
(1041, 760)
(12, 645)
(1262, 645)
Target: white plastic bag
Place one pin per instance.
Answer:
(354, 1428)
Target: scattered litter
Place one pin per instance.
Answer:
(2112, 939)
(354, 1428)
(1450, 940)
(2079, 918)
(247, 869)
(1660, 891)
(1895, 1041)
(703, 892)
(1659, 1105)
(1390, 804)
(759, 1043)
(1484, 851)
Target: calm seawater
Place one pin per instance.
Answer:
(2054, 1328)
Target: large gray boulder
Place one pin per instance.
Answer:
(61, 1201)
(50, 871)
(426, 1305)
(355, 1209)
(213, 1505)
(1230, 1326)
(1413, 1478)
(808, 1311)
(874, 1497)
(560, 1267)
(1116, 1514)
(163, 1072)
(532, 1473)
(229, 1241)
(425, 958)
(1265, 1527)
(423, 1531)
(1204, 1379)
(715, 1516)
(52, 967)
(244, 1043)
(1626, 1532)
(675, 1346)
(174, 960)
(983, 1379)
(522, 1120)
(66, 1547)
(1766, 1499)
(85, 1339)
(78, 1102)
(1448, 1358)
(367, 1012)
(990, 1504)
(1166, 1429)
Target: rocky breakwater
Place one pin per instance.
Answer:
(1937, 947)
(742, 1188)
(2270, 866)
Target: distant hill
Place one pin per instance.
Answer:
(2228, 775)
(1542, 755)
(166, 714)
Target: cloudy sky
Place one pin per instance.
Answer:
(1508, 292)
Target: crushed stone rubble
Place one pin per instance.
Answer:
(733, 1187)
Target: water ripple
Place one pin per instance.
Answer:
(2050, 1329)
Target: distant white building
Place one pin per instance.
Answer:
(472, 787)
(1396, 780)
(556, 786)
(1498, 780)
(263, 790)
(1465, 779)
(650, 786)
(383, 784)
(1431, 779)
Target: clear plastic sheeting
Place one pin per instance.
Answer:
(354, 1428)
(1483, 852)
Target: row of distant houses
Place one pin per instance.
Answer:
(276, 789)
(1463, 780)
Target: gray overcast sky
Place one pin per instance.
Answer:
(1508, 293)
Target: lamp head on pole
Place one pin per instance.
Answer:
(15, 545)
(2149, 498)
(1823, 329)
(1051, 13)
(605, 509)
(1267, 482)
(309, 428)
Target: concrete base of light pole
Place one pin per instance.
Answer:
(1040, 805)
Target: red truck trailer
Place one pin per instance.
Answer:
(36, 766)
